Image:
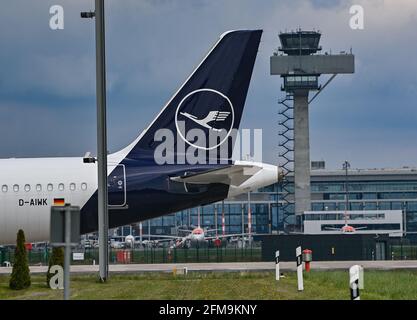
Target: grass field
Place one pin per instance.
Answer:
(223, 286)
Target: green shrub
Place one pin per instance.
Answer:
(57, 258)
(20, 278)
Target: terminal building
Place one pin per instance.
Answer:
(391, 192)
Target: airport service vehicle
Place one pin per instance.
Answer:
(173, 165)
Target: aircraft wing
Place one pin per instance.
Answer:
(233, 175)
(230, 235)
(146, 236)
(184, 230)
(212, 230)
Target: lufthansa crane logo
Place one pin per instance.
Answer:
(208, 110)
(213, 116)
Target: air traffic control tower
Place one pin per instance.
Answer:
(298, 63)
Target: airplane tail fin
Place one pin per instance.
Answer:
(210, 102)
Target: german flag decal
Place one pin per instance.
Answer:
(59, 202)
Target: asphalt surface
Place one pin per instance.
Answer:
(230, 267)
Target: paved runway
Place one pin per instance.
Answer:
(234, 266)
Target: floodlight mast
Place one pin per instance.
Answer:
(103, 217)
(346, 166)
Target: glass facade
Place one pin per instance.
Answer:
(367, 189)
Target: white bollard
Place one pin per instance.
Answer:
(277, 275)
(299, 260)
(356, 281)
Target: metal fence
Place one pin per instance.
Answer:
(149, 255)
(395, 250)
(402, 249)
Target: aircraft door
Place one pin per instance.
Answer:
(116, 183)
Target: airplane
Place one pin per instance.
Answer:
(346, 229)
(139, 186)
(130, 241)
(195, 237)
(198, 236)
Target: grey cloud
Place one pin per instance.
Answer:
(153, 45)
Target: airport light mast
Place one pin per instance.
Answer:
(298, 63)
(103, 213)
(346, 166)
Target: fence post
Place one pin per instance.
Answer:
(221, 253)
(47, 255)
(242, 250)
(277, 274)
(402, 256)
(299, 259)
(208, 253)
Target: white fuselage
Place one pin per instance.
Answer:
(29, 186)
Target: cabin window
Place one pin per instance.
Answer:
(38, 187)
(72, 186)
(50, 187)
(16, 188)
(27, 187)
(61, 187)
(83, 186)
(4, 188)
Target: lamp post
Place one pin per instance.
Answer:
(346, 166)
(103, 217)
(249, 219)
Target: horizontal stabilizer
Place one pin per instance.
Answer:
(232, 175)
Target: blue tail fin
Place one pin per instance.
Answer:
(211, 100)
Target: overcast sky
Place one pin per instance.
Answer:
(47, 78)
